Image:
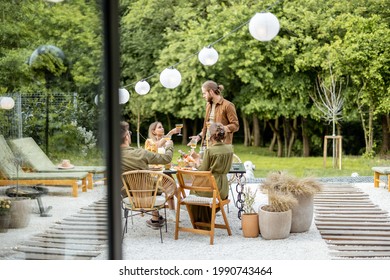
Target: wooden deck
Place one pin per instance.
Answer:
(79, 237)
(353, 227)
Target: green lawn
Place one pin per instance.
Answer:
(266, 161)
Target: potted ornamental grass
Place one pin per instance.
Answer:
(302, 190)
(276, 216)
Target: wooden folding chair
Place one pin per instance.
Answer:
(145, 191)
(204, 182)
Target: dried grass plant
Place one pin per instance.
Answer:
(279, 201)
(282, 189)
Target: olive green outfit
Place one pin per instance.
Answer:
(218, 159)
(139, 159)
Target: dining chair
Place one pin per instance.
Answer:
(145, 191)
(204, 182)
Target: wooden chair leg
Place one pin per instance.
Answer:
(75, 189)
(376, 179)
(84, 184)
(212, 225)
(177, 220)
(226, 221)
(90, 181)
(388, 182)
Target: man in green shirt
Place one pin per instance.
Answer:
(139, 159)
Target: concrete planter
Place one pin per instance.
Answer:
(274, 225)
(20, 212)
(302, 214)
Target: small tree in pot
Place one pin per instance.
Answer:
(21, 206)
(249, 219)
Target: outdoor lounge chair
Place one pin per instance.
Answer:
(12, 174)
(36, 160)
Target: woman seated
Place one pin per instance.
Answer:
(217, 159)
(155, 137)
(155, 143)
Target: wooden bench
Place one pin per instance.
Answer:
(381, 171)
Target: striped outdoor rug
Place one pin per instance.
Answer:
(78, 237)
(353, 227)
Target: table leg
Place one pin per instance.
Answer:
(241, 180)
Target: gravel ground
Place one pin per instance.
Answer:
(143, 243)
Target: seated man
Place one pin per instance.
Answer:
(139, 159)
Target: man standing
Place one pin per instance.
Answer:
(139, 159)
(219, 110)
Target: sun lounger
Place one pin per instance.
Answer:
(35, 159)
(11, 174)
(381, 171)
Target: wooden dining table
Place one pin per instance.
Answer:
(238, 170)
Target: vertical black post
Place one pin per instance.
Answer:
(112, 125)
(47, 121)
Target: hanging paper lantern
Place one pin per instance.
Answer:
(142, 87)
(124, 96)
(264, 26)
(170, 78)
(208, 56)
(6, 103)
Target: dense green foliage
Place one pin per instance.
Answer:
(271, 83)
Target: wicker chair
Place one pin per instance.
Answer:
(145, 191)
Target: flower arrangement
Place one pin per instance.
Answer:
(5, 206)
(185, 160)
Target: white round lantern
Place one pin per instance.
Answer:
(6, 103)
(264, 26)
(96, 99)
(124, 96)
(208, 56)
(170, 78)
(142, 87)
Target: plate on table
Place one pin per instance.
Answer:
(156, 167)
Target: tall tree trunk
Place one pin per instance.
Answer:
(293, 135)
(247, 132)
(256, 131)
(305, 139)
(273, 140)
(385, 135)
(371, 130)
(286, 135)
(184, 132)
(276, 137)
